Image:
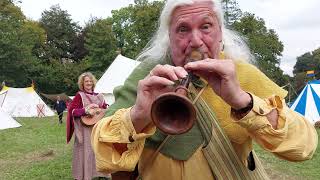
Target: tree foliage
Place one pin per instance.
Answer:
(306, 62)
(264, 43)
(56, 77)
(101, 44)
(134, 25)
(21, 43)
(61, 34)
(232, 11)
(18, 37)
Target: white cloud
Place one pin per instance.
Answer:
(287, 64)
(80, 10)
(309, 18)
(296, 22)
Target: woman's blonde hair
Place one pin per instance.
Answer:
(81, 80)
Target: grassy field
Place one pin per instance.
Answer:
(281, 169)
(38, 151)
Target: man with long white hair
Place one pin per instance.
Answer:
(235, 104)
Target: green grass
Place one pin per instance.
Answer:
(38, 150)
(300, 170)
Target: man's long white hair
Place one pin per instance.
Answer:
(158, 48)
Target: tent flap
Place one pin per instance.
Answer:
(6, 121)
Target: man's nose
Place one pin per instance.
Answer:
(196, 39)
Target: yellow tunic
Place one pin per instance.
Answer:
(295, 139)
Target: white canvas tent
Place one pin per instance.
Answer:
(115, 76)
(23, 102)
(6, 121)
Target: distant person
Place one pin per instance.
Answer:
(83, 104)
(60, 106)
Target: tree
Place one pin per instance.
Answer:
(55, 77)
(80, 51)
(134, 25)
(306, 62)
(18, 38)
(303, 64)
(232, 12)
(101, 44)
(264, 44)
(61, 34)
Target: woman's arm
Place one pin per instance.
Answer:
(76, 106)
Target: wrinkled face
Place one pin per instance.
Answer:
(87, 84)
(194, 27)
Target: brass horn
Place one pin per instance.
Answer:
(173, 113)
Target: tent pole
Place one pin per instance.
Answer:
(4, 99)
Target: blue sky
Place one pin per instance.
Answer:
(296, 22)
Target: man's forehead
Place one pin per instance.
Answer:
(200, 6)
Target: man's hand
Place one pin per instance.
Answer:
(159, 81)
(221, 76)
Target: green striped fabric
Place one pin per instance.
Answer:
(223, 160)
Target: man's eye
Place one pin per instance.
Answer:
(206, 26)
(182, 29)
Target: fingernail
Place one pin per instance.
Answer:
(189, 65)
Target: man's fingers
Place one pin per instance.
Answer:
(180, 72)
(210, 65)
(169, 72)
(156, 81)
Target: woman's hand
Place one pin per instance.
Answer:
(92, 106)
(221, 76)
(160, 80)
(90, 109)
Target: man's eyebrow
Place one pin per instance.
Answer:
(211, 16)
(181, 23)
(207, 17)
